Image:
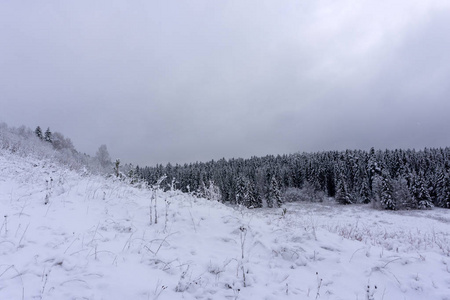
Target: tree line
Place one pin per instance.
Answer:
(389, 179)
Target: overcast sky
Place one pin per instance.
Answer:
(185, 81)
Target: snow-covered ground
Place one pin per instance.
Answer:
(94, 240)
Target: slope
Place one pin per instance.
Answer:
(94, 239)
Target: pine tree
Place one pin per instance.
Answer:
(342, 194)
(402, 195)
(202, 190)
(387, 200)
(420, 193)
(116, 168)
(365, 192)
(48, 136)
(441, 189)
(274, 194)
(373, 168)
(445, 198)
(255, 198)
(38, 132)
(242, 192)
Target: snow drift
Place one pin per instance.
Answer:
(66, 234)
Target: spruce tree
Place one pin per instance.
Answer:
(445, 198)
(441, 189)
(420, 193)
(342, 194)
(116, 168)
(387, 200)
(372, 167)
(255, 198)
(38, 132)
(48, 136)
(274, 195)
(364, 193)
(402, 194)
(242, 192)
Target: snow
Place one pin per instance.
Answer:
(94, 240)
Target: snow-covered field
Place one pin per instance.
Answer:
(94, 240)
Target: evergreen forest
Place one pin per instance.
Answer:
(390, 179)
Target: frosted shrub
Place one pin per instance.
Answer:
(212, 192)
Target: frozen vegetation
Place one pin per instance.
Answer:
(67, 234)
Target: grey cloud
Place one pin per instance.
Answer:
(180, 82)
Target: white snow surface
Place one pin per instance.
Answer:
(94, 240)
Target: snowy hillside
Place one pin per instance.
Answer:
(94, 239)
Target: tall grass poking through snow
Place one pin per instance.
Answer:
(95, 240)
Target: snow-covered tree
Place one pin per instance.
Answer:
(255, 198)
(445, 197)
(373, 167)
(38, 132)
(242, 192)
(60, 142)
(319, 174)
(364, 192)
(116, 168)
(48, 136)
(342, 194)
(212, 192)
(103, 157)
(443, 190)
(274, 194)
(387, 200)
(402, 194)
(421, 194)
